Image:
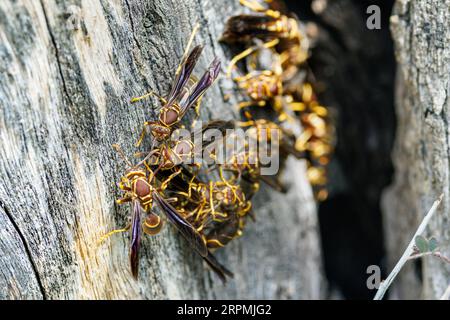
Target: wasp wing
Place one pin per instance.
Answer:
(135, 237)
(182, 77)
(202, 85)
(185, 228)
(245, 27)
(218, 268)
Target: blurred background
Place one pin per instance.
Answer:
(355, 70)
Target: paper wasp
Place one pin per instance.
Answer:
(186, 92)
(264, 81)
(266, 24)
(170, 154)
(316, 140)
(261, 137)
(269, 25)
(139, 185)
(217, 210)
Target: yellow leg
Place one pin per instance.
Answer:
(297, 106)
(197, 107)
(143, 132)
(246, 104)
(141, 137)
(151, 93)
(228, 184)
(244, 124)
(172, 199)
(109, 234)
(166, 182)
(257, 7)
(199, 210)
(214, 213)
(248, 52)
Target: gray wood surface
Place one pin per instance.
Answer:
(67, 72)
(421, 155)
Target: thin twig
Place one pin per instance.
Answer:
(409, 250)
(436, 254)
(446, 294)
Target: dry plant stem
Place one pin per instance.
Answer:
(436, 254)
(409, 250)
(446, 294)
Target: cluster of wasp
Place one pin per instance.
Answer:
(274, 74)
(170, 179)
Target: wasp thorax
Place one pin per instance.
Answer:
(141, 188)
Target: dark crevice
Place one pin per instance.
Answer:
(133, 30)
(58, 61)
(356, 68)
(27, 249)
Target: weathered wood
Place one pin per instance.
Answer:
(67, 72)
(421, 155)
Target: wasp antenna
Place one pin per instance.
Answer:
(189, 44)
(122, 154)
(150, 154)
(153, 173)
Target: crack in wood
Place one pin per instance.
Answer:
(133, 30)
(58, 61)
(26, 247)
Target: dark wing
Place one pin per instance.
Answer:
(179, 182)
(185, 228)
(244, 27)
(220, 125)
(202, 85)
(219, 269)
(274, 183)
(135, 237)
(182, 77)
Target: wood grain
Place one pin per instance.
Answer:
(67, 72)
(421, 154)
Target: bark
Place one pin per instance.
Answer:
(67, 72)
(421, 153)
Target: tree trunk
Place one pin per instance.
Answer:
(421, 155)
(67, 72)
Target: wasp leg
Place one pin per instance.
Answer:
(197, 107)
(121, 153)
(246, 104)
(142, 135)
(166, 182)
(248, 52)
(109, 234)
(171, 200)
(151, 93)
(297, 106)
(186, 50)
(257, 7)
(228, 184)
